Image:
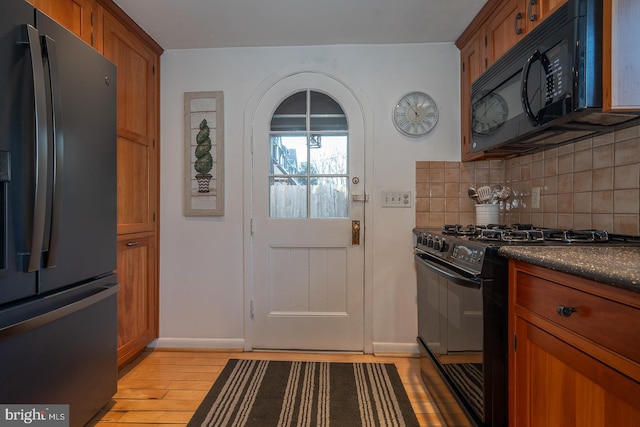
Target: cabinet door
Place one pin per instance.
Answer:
(81, 17)
(473, 64)
(556, 385)
(137, 112)
(137, 299)
(538, 10)
(505, 28)
(621, 58)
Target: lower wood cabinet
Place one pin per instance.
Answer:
(575, 358)
(137, 299)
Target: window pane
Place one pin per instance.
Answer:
(288, 199)
(288, 123)
(291, 114)
(328, 155)
(326, 113)
(308, 169)
(335, 123)
(288, 155)
(329, 198)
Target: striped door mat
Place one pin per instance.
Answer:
(260, 393)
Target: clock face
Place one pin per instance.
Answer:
(488, 114)
(415, 114)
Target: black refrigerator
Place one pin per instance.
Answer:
(58, 290)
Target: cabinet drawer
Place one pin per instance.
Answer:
(608, 323)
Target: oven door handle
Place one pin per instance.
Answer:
(452, 275)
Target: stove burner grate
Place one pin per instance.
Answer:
(575, 236)
(461, 230)
(525, 233)
(509, 235)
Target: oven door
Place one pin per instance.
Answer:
(450, 334)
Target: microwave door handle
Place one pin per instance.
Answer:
(58, 150)
(536, 119)
(524, 95)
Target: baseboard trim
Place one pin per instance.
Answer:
(395, 348)
(204, 343)
(379, 348)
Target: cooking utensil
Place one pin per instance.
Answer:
(495, 191)
(484, 194)
(504, 194)
(473, 194)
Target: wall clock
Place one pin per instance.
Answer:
(415, 114)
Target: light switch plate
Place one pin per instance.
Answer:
(396, 199)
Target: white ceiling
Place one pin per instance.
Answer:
(185, 24)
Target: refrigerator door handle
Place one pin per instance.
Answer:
(41, 145)
(58, 149)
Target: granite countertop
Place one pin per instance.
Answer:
(617, 266)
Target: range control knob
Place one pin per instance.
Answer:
(422, 238)
(430, 241)
(440, 244)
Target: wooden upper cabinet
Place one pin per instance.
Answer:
(512, 20)
(621, 57)
(138, 87)
(505, 27)
(473, 64)
(537, 10)
(81, 17)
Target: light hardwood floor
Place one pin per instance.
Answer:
(164, 388)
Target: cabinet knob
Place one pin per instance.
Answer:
(565, 311)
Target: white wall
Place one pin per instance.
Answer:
(201, 259)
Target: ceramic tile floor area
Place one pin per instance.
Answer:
(164, 388)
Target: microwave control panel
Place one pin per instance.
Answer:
(557, 69)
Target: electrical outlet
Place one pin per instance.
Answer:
(535, 197)
(396, 199)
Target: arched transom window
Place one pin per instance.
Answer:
(308, 175)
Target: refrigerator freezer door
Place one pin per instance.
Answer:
(80, 240)
(61, 349)
(17, 149)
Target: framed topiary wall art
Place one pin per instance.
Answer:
(204, 154)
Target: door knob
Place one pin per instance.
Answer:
(355, 232)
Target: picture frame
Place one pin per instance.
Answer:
(204, 153)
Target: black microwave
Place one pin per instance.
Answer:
(547, 89)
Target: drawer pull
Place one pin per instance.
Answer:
(133, 243)
(565, 311)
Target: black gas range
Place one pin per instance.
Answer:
(462, 291)
(466, 247)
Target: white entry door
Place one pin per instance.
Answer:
(307, 211)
